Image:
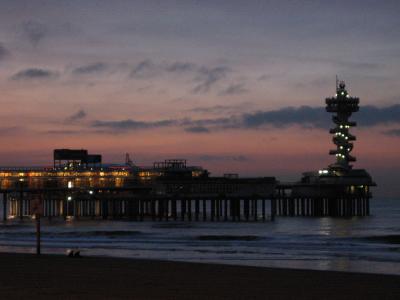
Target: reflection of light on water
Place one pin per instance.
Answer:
(336, 226)
(325, 226)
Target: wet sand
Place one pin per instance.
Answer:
(24, 276)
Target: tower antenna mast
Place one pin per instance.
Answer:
(337, 82)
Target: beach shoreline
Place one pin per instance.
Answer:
(59, 277)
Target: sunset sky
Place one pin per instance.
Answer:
(234, 86)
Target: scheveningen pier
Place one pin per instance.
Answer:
(78, 185)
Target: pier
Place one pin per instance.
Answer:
(219, 199)
(329, 201)
(79, 185)
(203, 199)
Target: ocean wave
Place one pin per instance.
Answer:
(172, 225)
(228, 238)
(387, 239)
(75, 234)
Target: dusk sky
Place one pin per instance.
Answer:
(234, 86)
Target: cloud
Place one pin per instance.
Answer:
(147, 68)
(188, 124)
(208, 77)
(211, 109)
(284, 117)
(180, 67)
(240, 158)
(90, 69)
(264, 77)
(10, 130)
(371, 115)
(144, 69)
(317, 117)
(392, 132)
(3, 51)
(197, 129)
(34, 73)
(132, 124)
(234, 89)
(34, 31)
(304, 116)
(63, 132)
(79, 115)
(224, 122)
(219, 109)
(212, 157)
(204, 77)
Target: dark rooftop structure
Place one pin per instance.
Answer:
(71, 158)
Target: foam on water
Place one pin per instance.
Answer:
(367, 244)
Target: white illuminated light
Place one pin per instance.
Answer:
(70, 185)
(342, 93)
(91, 192)
(69, 198)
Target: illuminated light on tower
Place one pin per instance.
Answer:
(343, 106)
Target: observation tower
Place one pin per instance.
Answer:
(339, 189)
(342, 105)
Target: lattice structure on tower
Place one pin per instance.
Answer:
(342, 105)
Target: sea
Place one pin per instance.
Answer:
(358, 244)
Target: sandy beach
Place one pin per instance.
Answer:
(24, 276)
